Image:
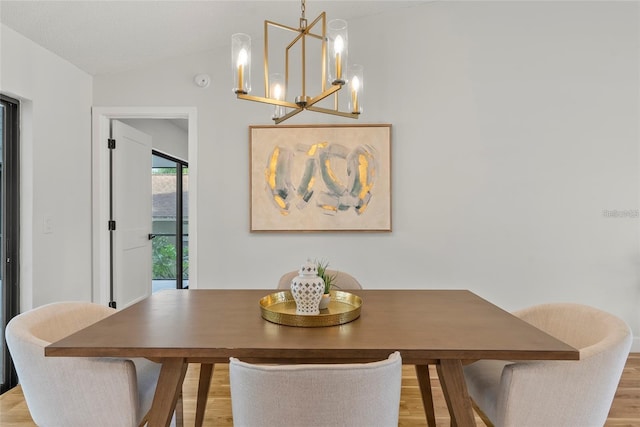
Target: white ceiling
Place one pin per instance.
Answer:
(109, 36)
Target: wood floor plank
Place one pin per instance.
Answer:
(625, 410)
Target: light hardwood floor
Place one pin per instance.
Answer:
(625, 410)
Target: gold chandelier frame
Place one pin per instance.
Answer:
(303, 101)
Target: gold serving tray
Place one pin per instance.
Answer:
(280, 308)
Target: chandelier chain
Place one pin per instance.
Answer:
(303, 6)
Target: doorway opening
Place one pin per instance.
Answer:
(101, 119)
(170, 222)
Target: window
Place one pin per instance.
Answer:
(9, 230)
(169, 177)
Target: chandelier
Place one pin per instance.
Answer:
(334, 70)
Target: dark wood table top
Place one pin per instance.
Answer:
(216, 324)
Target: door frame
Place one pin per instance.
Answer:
(100, 118)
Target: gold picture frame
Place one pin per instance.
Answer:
(320, 178)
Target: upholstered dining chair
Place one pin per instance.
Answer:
(556, 393)
(343, 280)
(359, 394)
(77, 391)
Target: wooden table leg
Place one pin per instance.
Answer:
(206, 370)
(179, 411)
(167, 391)
(455, 392)
(422, 372)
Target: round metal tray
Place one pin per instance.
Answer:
(280, 308)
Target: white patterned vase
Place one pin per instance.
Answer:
(307, 289)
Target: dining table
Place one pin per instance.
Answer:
(446, 328)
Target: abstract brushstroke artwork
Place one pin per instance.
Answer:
(321, 178)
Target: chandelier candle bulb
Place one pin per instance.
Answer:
(339, 45)
(338, 50)
(277, 92)
(242, 61)
(241, 57)
(355, 77)
(355, 85)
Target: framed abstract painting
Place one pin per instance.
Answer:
(315, 178)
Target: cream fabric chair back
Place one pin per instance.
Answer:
(76, 391)
(556, 393)
(343, 281)
(350, 395)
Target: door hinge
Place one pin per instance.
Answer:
(112, 225)
(112, 304)
(111, 144)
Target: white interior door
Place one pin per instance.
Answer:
(131, 178)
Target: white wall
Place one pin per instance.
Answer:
(165, 135)
(55, 176)
(515, 127)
